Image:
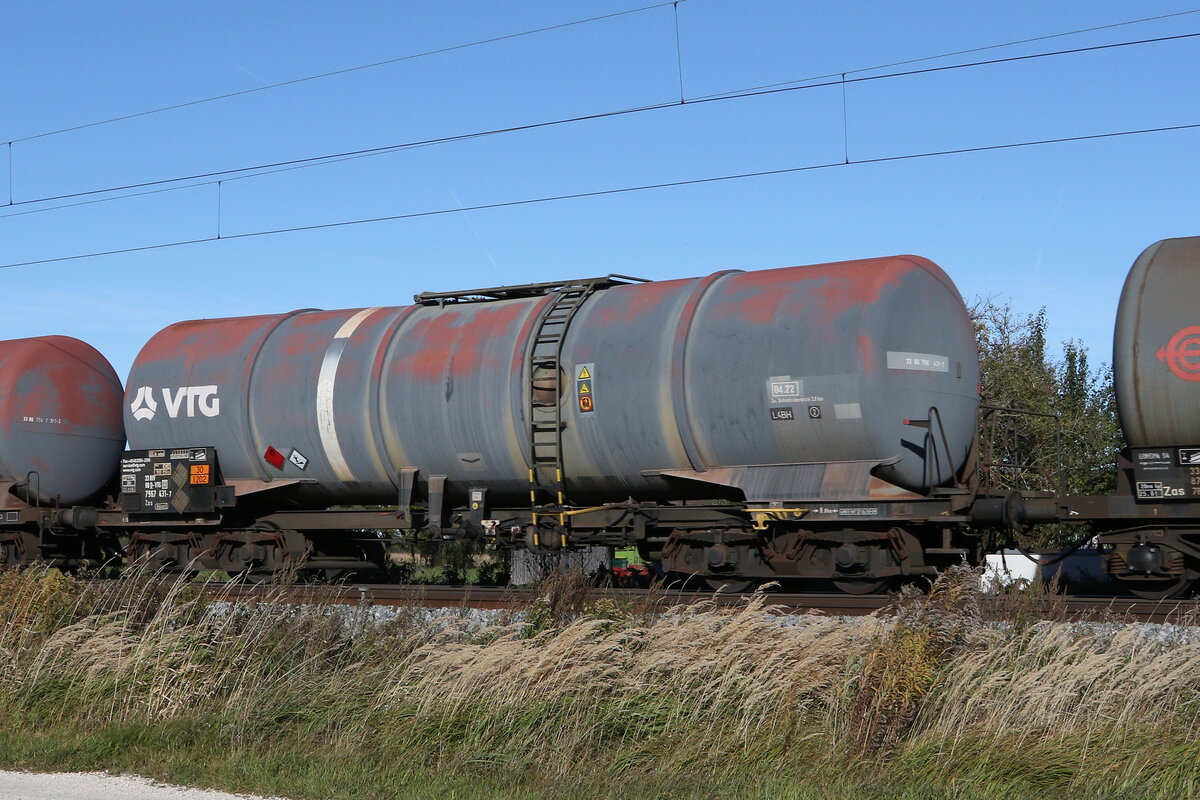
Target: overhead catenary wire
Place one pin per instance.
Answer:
(964, 52)
(559, 26)
(321, 160)
(679, 56)
(604, 192)
(215, 181)
(845, 123)
(343, 71)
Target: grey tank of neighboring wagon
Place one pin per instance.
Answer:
(1156, 348)
(665, 383)
(61, 431)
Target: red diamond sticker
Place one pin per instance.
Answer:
(274, 457)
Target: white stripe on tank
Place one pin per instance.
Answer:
(325, 383)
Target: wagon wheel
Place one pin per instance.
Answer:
(272, 564)
(159, 559)
(370, 555)
(332, 575)
(252, 578)
(1165, 589)
(861, 585)
(730, 585)
(337, 575)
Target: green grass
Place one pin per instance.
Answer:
(144, 676)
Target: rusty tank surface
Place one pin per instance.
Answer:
(1156, 347)
(61, 431)
(664, 389)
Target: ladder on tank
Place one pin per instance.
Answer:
(546, 383)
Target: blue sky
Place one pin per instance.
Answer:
(1055, 225)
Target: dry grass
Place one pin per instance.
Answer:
(584, 696)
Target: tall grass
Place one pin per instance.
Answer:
(582, 698)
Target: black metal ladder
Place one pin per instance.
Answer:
(545, 381)
(546, 373)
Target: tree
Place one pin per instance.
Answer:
(1047, 424)
(1091, 431)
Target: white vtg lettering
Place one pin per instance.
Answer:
(185, 399)
(202, 397)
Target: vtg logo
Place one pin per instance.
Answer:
(199, 398)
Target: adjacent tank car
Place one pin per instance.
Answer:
(1151, 528)
(61, 438)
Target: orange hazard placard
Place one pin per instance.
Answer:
(199, 474)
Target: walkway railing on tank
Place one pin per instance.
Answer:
(491, 293)
(1020, 450)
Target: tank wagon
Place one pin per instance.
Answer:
(813, 422)
(1151, 527)
(61, 438)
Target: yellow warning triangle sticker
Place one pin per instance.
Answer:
(583, 373)
(584, 389)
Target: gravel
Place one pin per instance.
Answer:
(100, 786)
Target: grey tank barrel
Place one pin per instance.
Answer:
(665, 389)
(1156, 346)
(61, 432)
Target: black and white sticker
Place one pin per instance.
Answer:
(1155, 490)
(1149, 490)
(298, 459)
(784, 413)
(859, 511)
(925, 362)
(784, 390)
(1189, 456)
(1156, 460)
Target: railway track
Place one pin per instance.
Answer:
(1000, 607)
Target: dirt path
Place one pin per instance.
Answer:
(98, 786)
